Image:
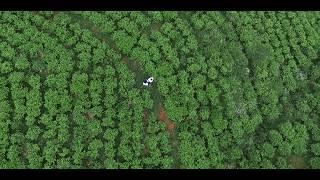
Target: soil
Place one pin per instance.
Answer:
(135, 67)
(163, 116)
(171, 127)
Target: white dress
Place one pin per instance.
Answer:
(150, 80)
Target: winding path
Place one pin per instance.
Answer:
(140, 75)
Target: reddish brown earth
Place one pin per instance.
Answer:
(171, 127)
(163, 116)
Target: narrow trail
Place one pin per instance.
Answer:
(158, 109)
(140, 75)
(145, 125)
(171, 128)
(163, 117)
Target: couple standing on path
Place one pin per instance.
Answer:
(148, 81)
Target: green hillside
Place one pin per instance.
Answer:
(231, 90)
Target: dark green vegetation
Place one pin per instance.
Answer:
(232, 90)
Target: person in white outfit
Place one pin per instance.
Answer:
(148, 81)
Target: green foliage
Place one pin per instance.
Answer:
(124, 41)
(6, 67)
(315, 162)
(232, 89)
(315, 149)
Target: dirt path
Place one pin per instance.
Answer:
(145, 125)
(158, 109)
(163, 117)
(140, 75)
(171, 128)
